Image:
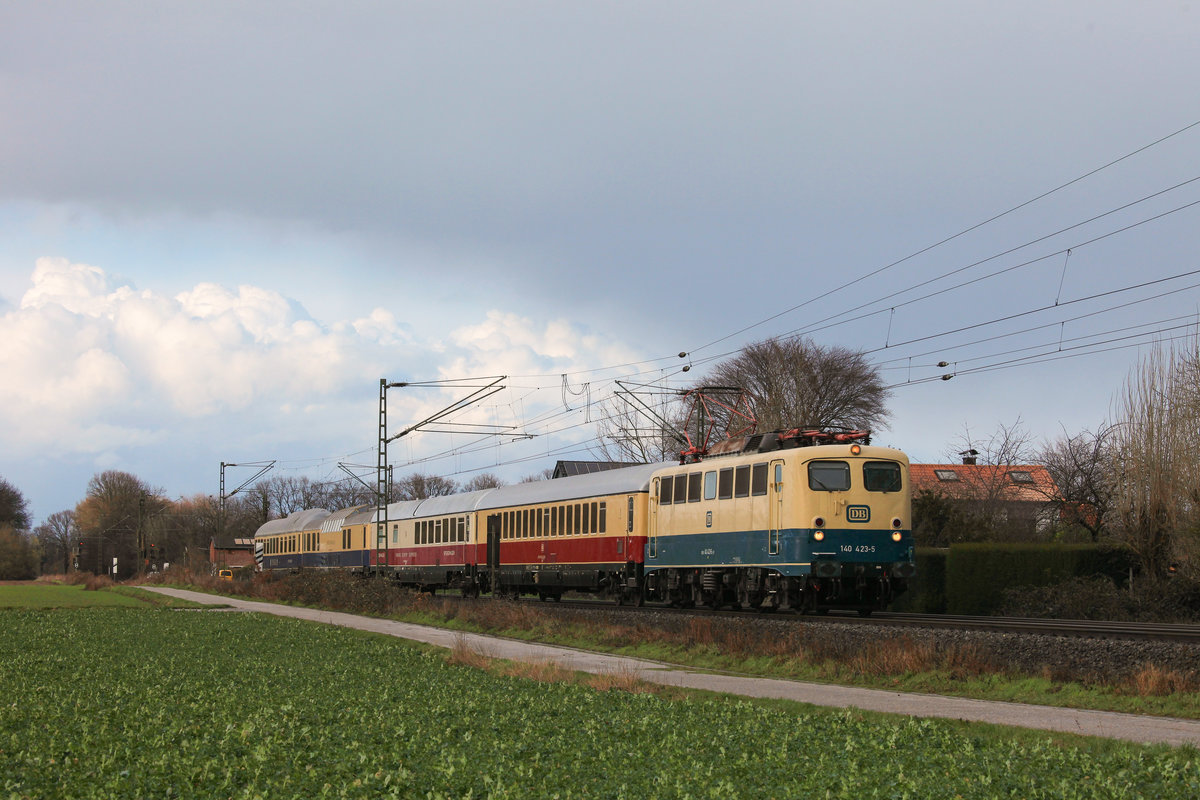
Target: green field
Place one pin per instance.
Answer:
(153, 703)
(57, 595)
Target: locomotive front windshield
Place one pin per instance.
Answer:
(829, 476)
(834, 476)
(881, 476)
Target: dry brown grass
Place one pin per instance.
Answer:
(1151, 680)
(468, 655)
(541, 671)
(623, 678)
(904, 656)
(97, 582)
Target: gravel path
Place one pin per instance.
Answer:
(1129, 727)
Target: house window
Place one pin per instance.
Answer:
(1021, 476)
(946, 474)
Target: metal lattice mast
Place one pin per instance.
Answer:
(381, 481)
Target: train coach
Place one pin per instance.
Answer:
(787, 520)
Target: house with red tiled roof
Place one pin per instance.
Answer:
(1014, 496)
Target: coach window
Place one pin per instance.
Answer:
(829, 476)
(710, 486)
(562, 520)
(589, 513)
(758, 481)
(725, 484)
(681, 482)
(665, 495)
(603, 527)
(741, 481)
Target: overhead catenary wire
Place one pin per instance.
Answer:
(545, 424)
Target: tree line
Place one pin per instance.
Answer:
(1134, 479)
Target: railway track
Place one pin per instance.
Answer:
(1092, 629)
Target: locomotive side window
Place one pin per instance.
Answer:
(665, 495)
(829, 476)
(694, 486)
(741, 481)
(710, 486)
(758, 483)
(725, 483)
(681, 482)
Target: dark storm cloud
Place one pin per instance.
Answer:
(587, 132)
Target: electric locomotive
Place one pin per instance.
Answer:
(790, 519)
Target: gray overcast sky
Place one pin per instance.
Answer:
(223, 222)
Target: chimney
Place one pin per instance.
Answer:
(969, 457)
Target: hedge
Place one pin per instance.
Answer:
(927, 592)
(977, 574)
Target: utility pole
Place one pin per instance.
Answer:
(263, 468)
(383, 472)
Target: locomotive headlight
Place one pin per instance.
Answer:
(895, 536)
(855, 449)
(819, 536)
(818, 522)
(896, 523)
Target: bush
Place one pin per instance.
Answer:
(1099, 597)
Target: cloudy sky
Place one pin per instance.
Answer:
(224, 222)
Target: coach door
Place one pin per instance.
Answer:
(652, 523)
(775, 507)
(493, 551)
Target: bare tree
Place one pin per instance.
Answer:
(484, 480)
(995, 506)
(628, 433)
(418, 486)
(534, 477)
(109, 518)
(1082, 468)
(57, 535)
(289, 493)
(796, 382)
(1156, 505)
(18, 561)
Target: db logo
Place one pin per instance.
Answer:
(858, 513)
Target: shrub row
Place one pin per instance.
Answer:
(972, 578)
